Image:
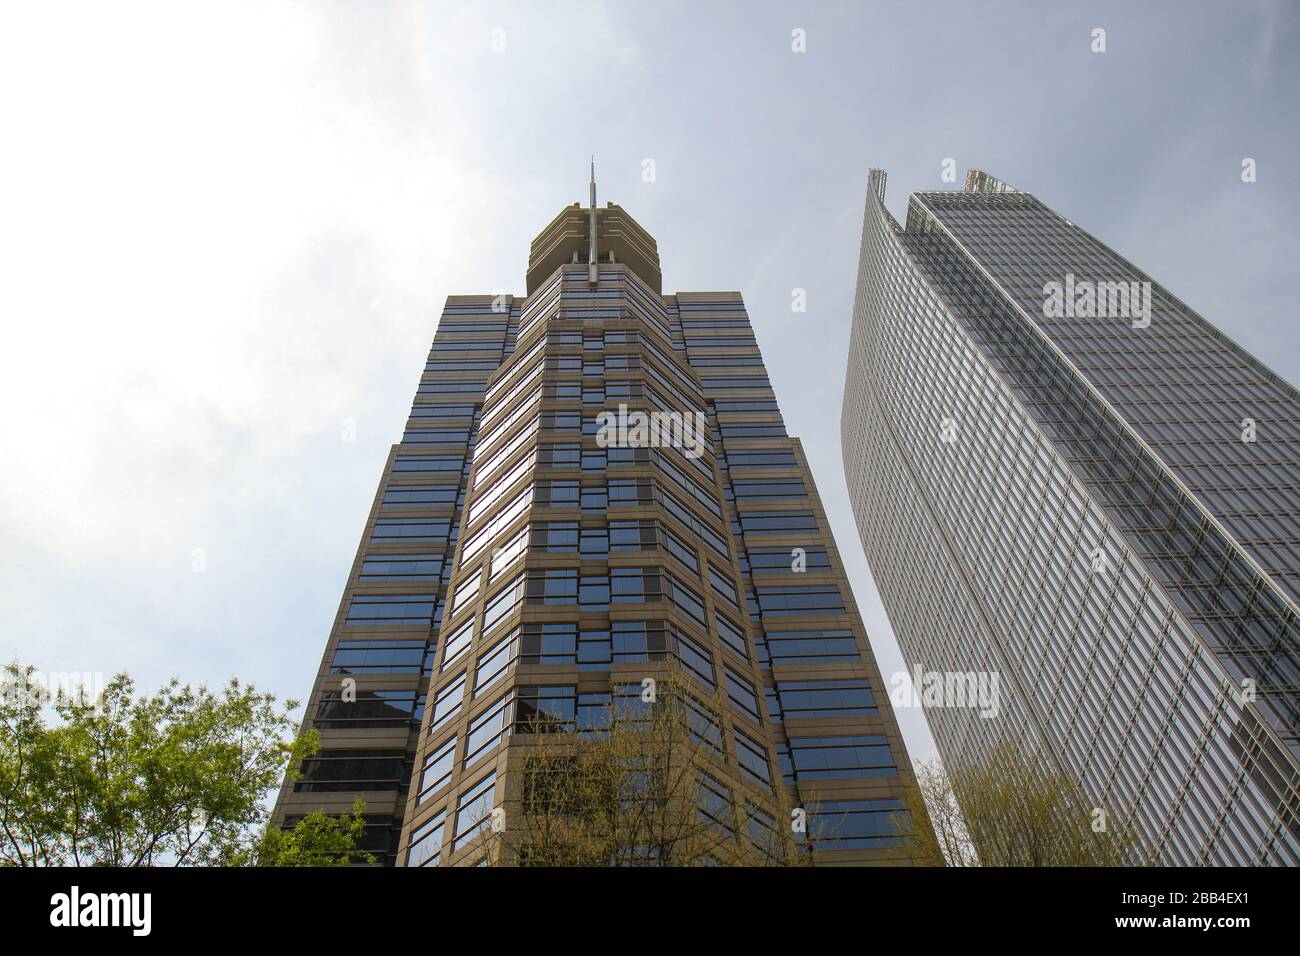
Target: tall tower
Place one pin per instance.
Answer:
(1064, 476)
(517, 561)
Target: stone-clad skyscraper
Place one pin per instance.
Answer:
(516, 563)
(1063, 475)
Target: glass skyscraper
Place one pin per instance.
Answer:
(1063, 475)
(515, 563)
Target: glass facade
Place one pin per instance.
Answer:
(1101, 503)
(523, 565)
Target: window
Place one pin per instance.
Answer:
(445, 345)
(503, 603)
(391, 657)
(564, 586)
(487, 729)
(784, 560)
(630, 492)
(594, 650)
(553, 586)
(702, 725)
(741, 694)
(695, 659)
(723, 588)
(549, 644)
(626, 457)
(555, 536)
(729, 383)
(426, 841)
(488, 468)
(425, 435)
(780, 601)
(370, 708)
(436, 772)
(558, 494)
(752, 757)
(449, 388)
(812, 647)
(681, 551)
(488, 437)
(385, 566)
(778, 522)
(637, 641)
(688, 518)
(725, 361)
(466, 591)
(593, 542)
(417, 496)
(857, 824)
(447, 704)
(764, 832)
(454, 365)
(542, 709)
(458, 643)
(805, 699)
(632, 535)
(635, 585)
(379, 609)
(337, 771)
(760, 459)
(731, 635)
(818, 758)
(714, 802)
(772, 488)
(504, 558)
(481, 538)
(496, 661)
(473, 810)
(567, 455)
(518, 383)
(704, 497)
(747, 405)
(442, 411)
(428, 464)
(734, 432)
(562, 421)
(411, 529)
(495, 492)
(686, 600)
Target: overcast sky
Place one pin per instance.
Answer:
(225, 229)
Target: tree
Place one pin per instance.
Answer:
(318, 839)
(178, 778)
(1011, 810)
(640, 785)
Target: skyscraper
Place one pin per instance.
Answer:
(534, 546)
(1064, 476)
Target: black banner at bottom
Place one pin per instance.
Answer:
(365, 906)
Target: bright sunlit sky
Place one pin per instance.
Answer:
(226, 228)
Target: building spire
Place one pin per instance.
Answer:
(591, 229)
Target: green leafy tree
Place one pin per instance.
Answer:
(176, 778)
(638, 787)
(318, 839)
(1011, 809)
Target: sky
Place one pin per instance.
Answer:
(227, 231)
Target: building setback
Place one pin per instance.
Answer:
(515, 561)
(1064, 476)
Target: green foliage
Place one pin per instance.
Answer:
(637, 788)
(316, 840)
(177, 778)
(1012, 809)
